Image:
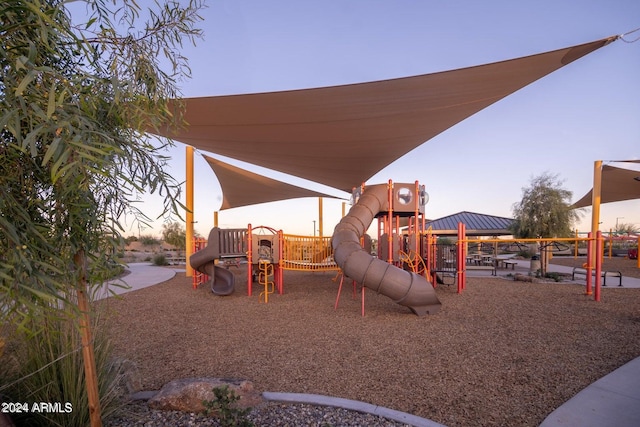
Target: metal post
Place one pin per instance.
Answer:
(319, 217)
(590, 250)
(595, 207)
(189, 213)
(249, 260)
(599, 248)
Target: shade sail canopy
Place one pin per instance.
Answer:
(340, 136)
(243, 188)
(617, 185)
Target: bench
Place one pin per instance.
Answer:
(604, 274)
(508, 262)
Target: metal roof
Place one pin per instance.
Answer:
(476, 224)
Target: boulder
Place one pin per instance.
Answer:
(128, 380)
(187, 394)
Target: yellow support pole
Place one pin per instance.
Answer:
(320, 216)
(595, 208)
(189, 214)
(215, 218)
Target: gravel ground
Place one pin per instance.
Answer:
(268, 415)
(501, 353)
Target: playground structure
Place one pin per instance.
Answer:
(259, 247)
(267, 253)
(389, 203)
(410, 261)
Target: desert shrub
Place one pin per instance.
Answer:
(47, 366)
(160, 259)
(225, 408)
(149, 240)
(526, 253)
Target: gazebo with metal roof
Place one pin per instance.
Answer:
(476, 224)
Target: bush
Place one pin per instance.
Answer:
(526, 253)
(224, 406)
(149, 241)
(160, 259)
(48, 367)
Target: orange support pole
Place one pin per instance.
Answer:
(595, 207)
(280, 280)
(189, 213)
(389, 229)
(249, 261)
(464, 256)
(458, 258)
(589, 265)
(416, 232)
(599, 243)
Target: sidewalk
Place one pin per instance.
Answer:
(141, 275)
(612, 401)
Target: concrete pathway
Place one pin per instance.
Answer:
(141, 275)
(612, 401)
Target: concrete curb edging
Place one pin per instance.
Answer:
(354, 405)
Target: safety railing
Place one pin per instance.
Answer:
(307, 253)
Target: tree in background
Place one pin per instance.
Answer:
(623, 228)
(545, 209)
(76, 100)
(175, 234)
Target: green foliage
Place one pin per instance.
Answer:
(544, 210)
(526, 253)
(149, 240)
(626, 229)
(130, 239)
(225, 408)
(76, 101)
(556, 277)
(445, 241)
(48, 367)
(175, 234)
(160, 259)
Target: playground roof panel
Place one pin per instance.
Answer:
(340, 136)
(242, 188)
(617, 185)
(476, 224)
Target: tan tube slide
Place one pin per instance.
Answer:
(403, 287)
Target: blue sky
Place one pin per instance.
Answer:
(586, 111)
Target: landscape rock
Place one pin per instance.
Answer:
(129, 380)
(188, 394)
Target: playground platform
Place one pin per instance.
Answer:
(613, 400)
